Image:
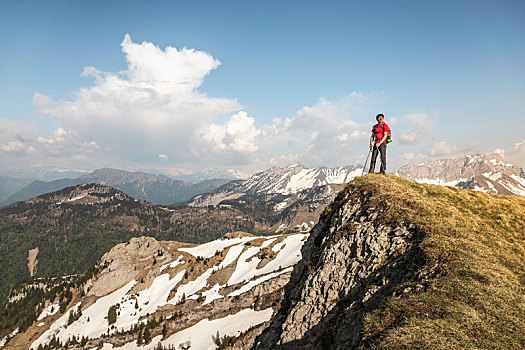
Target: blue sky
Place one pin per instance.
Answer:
(449, 75)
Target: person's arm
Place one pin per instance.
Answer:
(372, 140)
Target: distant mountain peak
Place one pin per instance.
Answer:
(489, 173)
(82, 194)
(296, 191)
(117, 176)
(296, 164)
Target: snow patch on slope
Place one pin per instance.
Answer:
(207, 250)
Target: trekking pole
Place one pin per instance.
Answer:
(366, 161)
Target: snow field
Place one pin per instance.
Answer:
(201, 335)
(232, 254)
(4, 339)
(149, 299)
(281, 228)
(260, 280)
(207, 250)
(173, 263)
(55, 328)
(289, 253)
(245, 266)
(77, 198)
(278, 246)
(280, 206)
(440, 182)
(189, 289)
(303, 179)
(47, 311)
(514, 189)
(268, 242)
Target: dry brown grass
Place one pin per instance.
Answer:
(478, 240)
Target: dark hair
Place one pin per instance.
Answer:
(380, 115)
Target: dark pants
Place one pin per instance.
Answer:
(375, 151)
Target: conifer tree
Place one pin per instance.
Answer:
(147, 336)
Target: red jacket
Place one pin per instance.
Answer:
(379, 131)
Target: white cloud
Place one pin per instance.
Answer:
(153, 110)
(440, 149)
(16, 138)
(17, 146)
(323, 134)
(153, 113)
(62, 142)
(443, 148)
(152, 106)
(499, 151)
(23, 147)
(516, 155)
(237, 134)
(418, 132)
(284, 159)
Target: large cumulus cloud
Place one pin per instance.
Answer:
(153, 107)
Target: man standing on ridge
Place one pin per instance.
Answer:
(380, 132)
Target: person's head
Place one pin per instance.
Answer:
(380, 117)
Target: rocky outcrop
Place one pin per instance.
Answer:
(351, 262)
(125, 262)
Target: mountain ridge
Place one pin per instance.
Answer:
(397, 264)
(74, 226)
(489, 173)
(391, 263)
(158, 189)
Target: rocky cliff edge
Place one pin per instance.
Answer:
(396, 264)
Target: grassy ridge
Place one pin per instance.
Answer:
(478, 240)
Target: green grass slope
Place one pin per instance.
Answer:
(478, 240)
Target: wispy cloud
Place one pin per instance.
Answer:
(514, 155)
(420, 127)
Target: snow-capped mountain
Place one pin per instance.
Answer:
(286, 181)
(296, 193)
(488, 173)
(145, 292)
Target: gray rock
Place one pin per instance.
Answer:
(351, 263)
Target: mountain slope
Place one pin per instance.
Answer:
(39, 187)
(70, 229)
(9, 185)
(285, 181)
(489, 173)
(393, 264)
(295, 194)
(157, 189)
(182, 293)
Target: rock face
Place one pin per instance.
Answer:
(351, 263)
(488, 173)
(126, 262)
